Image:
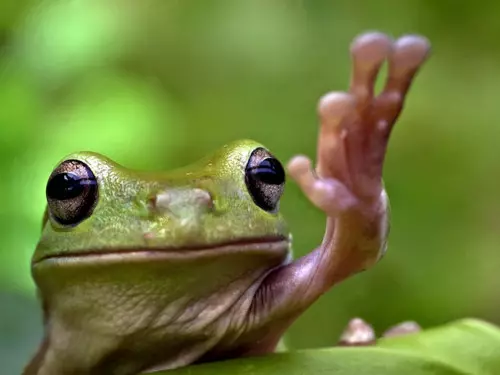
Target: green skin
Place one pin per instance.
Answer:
(182, 267)
(138, 267)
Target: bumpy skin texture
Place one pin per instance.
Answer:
(183, 267)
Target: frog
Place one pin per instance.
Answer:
(141, 271)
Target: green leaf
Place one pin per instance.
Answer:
(471, 345)
(465, 347)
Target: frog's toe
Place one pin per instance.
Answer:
(402, 329)
(357, 333)
(407, 55)
(334, 107)
(368, 53)
(328, 194)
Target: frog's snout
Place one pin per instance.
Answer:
(181, 202)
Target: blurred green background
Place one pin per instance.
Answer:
(158, 84)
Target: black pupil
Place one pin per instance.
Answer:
(269, 171)
(67, 186)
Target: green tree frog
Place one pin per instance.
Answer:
(139, 272)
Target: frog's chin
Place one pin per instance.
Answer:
(278, 246)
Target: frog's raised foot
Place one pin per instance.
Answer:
(346, 184)
(347, 181)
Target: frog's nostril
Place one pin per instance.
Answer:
(161, 201)
(202, 198)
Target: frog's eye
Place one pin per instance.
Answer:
(265, 179)
(71, 192)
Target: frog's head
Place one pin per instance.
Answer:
(99, 208)
(186, 234)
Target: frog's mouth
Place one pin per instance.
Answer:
(276, 246)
